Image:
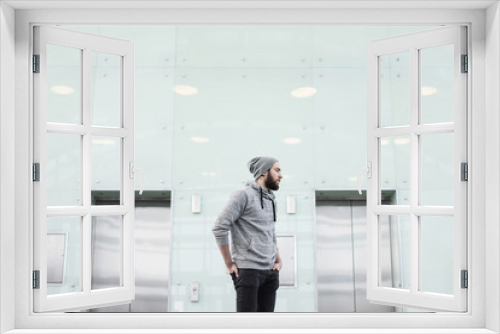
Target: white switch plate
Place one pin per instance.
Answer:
(196, 203)
(195, 292)
(290, 204)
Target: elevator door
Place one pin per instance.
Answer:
(152, 256)
(340, 233)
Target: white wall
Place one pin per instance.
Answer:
(7, 161)
(492, 164)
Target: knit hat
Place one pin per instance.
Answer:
(260, 165)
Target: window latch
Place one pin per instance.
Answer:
(368, 171)
(133, 170)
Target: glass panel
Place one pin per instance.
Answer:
(394, 251)
(64, 75)
(63, 169)
(395, 89)
(105, 89)
(437, 169)
(437, 80)
(106, 252)
(106, 166)
(395, 167)
(436, 252)
(63, 255)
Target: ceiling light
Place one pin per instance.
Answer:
(384, 142)
(200, 140)
(292, 141)
(401, 141)
(62, 90)
(103, 141)
(353, 178)
(185, 90)
(304, 92)
(427, 90)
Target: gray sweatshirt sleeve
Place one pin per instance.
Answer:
(231, 212)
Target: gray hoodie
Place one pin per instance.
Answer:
(250, 216)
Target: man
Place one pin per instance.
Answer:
(250, 216)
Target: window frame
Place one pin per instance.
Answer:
(476, 315)
(86, 44)
(413, 44)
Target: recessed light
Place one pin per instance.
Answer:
(200, 140)
(401, 141)
(62, 90)
(427, 90)
(103, 141)
(384, 142)
(185, 90)
(353, 178)
(304, 92)
(292, 141)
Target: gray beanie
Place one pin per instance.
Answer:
(260, 165)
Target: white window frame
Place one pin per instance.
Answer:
(483, 308)
(413, 43)
(86, 297)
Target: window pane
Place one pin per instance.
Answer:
(436, 89)
(63, 169)
(63, 84)
(106, 252)
(394, 251)
(105, 89)
(63, 255)
(106, 166)
(437, 169)
(395, 89)
(436, 252)
(395, 167)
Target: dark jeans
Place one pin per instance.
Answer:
(256, 289)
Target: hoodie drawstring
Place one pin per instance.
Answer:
(274, 211)
(261, 200)
(262, 204)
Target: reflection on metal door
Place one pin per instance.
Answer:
(152, 252)
(340, 257)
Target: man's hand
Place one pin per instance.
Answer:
(278, 265)
(232, 268)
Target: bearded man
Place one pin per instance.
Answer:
(250, 216)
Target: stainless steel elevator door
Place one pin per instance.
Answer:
(152, 258)
(334, 257)
(340, 234)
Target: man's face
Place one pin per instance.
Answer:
(273, 177)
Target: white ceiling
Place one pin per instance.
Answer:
(249, 4)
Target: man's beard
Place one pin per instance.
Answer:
(270, 183)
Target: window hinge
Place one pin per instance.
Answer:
(36, 172)
(36, 63)
(465, 64)
(464, 172)
(465, 279)
(36, 279)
